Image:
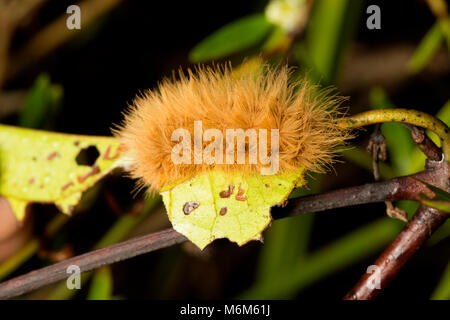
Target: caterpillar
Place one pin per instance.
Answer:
(305, 117)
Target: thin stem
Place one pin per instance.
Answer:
(90, 261)
(425, 144)
(390, 262)
(414, 117)
(424, 223)
(403, 188)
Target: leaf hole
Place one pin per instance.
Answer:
(87, 156)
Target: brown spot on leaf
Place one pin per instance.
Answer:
(240, 195)
(190, 206)
(94, 171)
(227, 193)
(224, 194)
(31, 181)
(223, 211)
(67, 185)
(53, 155)
(108, 156)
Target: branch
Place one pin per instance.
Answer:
(417, 231)
(89, 261)
(403, 188)
(432, 151)
(413, 117)
(390, 262)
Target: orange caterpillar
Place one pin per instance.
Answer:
(307, 120)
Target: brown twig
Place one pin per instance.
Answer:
(417, 231)
(377, 148)
(403, 188)
(90, 261)
(425, 144)
(395, 189)
(390, 262)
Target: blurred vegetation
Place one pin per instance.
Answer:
(317, 37)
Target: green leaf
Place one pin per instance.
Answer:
(332, 25)
(199, 209)
(442, 290)
(444, 23)
(436, 204)
(426, 49)
(101, 285)
(440, 201)
(41, 103)
(231, 38)
(41, 166)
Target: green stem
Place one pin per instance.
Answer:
(413, 117)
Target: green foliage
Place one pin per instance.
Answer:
(440, 201)
(442, 290)
(101, 284)
(332, 25)
(234, 37)
(427, 48)
(335, 256)
(41, 104)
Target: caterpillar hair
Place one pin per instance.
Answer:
(306, 117)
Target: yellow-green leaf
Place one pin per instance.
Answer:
(203, 208)
(41, 166)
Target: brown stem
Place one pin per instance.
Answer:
(424, 143)
(417, 231)
(402, 188)
(391, 261)
(89, 261)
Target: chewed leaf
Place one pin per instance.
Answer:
(45, 167)
(216, 204)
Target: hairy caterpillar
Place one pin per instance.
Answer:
(306, 119)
